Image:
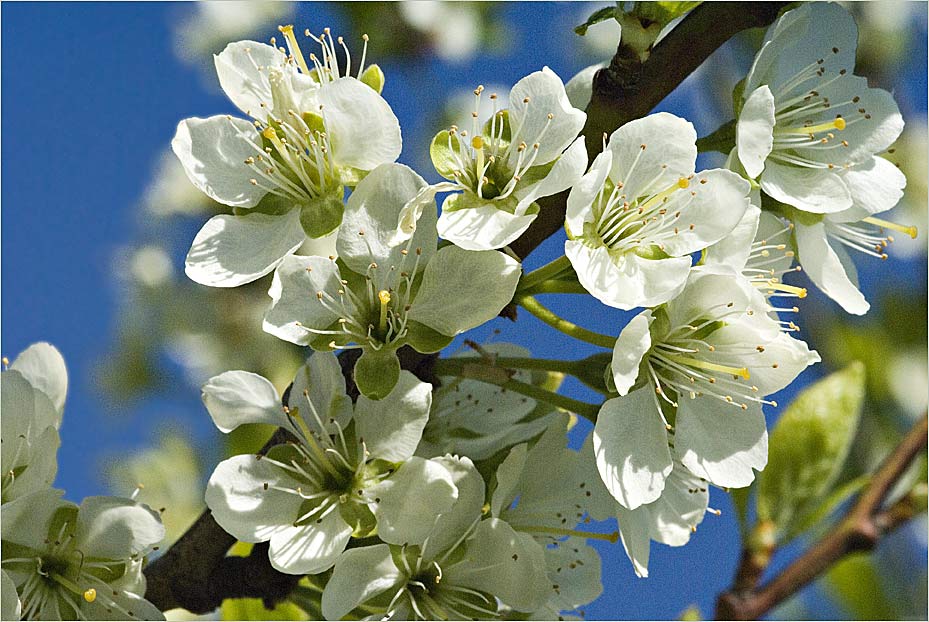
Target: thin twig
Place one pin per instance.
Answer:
(859, 530)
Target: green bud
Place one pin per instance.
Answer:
(373, 77)
(322, 214)
(377, 372)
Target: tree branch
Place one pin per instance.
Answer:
(859, 530)
(195, 573)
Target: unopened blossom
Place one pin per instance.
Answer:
(634, 219)
(462, 568)
(70, 562)
(350, 471)
(33, 393)
(701, 365)
(314, 130)
(525, 151)
(809, 130)
(381, 294)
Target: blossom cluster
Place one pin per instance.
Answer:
(62, 561)
(459, 497)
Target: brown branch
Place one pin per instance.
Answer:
(195, 572)
(859, 530)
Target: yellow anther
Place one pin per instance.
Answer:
(384, 296)
(90, 595)
(269, 133)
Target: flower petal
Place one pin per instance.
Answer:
(630, 281)
(574, 567)
(363, 129)
(566, 172)
(823, 266)
(580, 88)
(450, 526)
(213, 153)
(359, 575)
(632, 344)
(237, 397)
(42, 365)
(816, 190)
(320, 381)
(481, 228)
(532, 100)
(392, 427)
(719, 442)
(876, 186)
(10, 607)
(463, 289)
(375, 208)
(652, 153)
(634, 531)
(312, 548)
(734, 250)
(115, 528)
(631, 446)
(411, 499)
(237, 498)
(294, 305)
(233, 250)
(242, 68)
(585, 192)
(754, 131)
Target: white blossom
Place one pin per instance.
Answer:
(314, 130)
(634, 219)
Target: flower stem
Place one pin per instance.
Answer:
(536, 308)
(546, 272)
(555, 286)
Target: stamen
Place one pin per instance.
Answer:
(288, 32)
(909, 230)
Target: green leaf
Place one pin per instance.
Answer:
(828, 505)
(443, 150)
(600, 15)
(808, 446)
(253, 609)
(662, 12)
(856, 585)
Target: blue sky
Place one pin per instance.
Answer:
(92, 95)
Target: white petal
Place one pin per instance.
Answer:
(481, 228)
(243, 68)
(450, 526)
(668, 140)
(411, 499)
(734, 250)
(574, 566)
(391, 427)
(754, 131)
(27, 520)
(682, 506)
(566, 172)
(708, 292)
(631, 445)
(823, 266)
(360, 574)
(232, 250)
(632, 344)
(240, 504)
(585, 192)
(320, 381)
(10, 607)
(505, 563)
(408, 220)
(718, 200)
(42, 365)
(312, 548)
(546, 95)
(634, 530)
(463, 289)
(876, 186)
(375, 208)
(816, 190)
(237, 397)
(719, 442)
(508, 475)
(630, 281)
(363, 129)
(580, 88)
(294, 305)
(213, 153)
(115, 528)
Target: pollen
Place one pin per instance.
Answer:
(90, 595)
(477, 142)
(840, 123)
(683, 182)
(384, 296)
